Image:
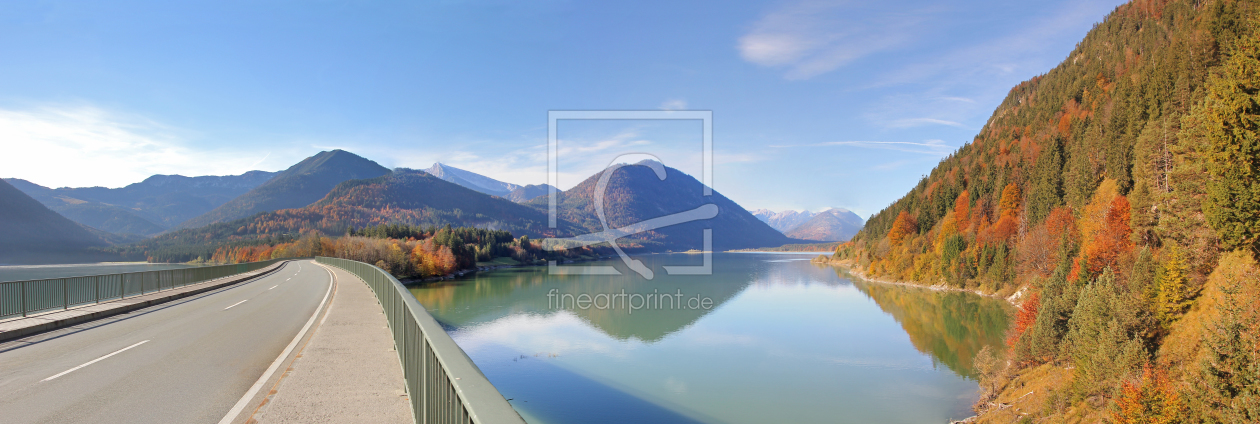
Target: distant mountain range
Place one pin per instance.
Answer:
(35, 234)
(334, 191)
(402, 196)
(830, 225)
(834, 224)
(530, 192)
(300, 185)
(783, 221)
(635, 194)
(147, 207)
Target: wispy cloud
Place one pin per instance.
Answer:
(927, 147)
(83, 145)
(811, 38)
(673, 104)
(918, 122)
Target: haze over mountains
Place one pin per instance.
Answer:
(35, 234)
(835, 224)
(783, 221)
(530, 192)
(147, 207)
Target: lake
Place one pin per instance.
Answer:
(767, 337)
(34, 272)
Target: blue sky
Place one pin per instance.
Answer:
(816, 104)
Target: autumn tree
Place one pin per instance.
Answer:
(1112, 237)
(903, 227)
(962, 210)
(1228, 383)
(1150, 400)
(1025, 318)
(1009, 204)
(1173, 298)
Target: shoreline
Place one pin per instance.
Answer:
(848, 267)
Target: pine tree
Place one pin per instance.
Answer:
(1230, 124)
(1173, 298)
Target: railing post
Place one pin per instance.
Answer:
(65, 294)
(98, 289)
(23, 299)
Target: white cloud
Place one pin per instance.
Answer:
(80, 145)
(811, 38)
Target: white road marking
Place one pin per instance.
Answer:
(94, 361)
(240, 404)
(272, 287)
(237, 303)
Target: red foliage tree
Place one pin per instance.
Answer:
(1025, 318)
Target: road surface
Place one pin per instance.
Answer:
(186, 361)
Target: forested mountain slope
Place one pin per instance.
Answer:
(298, 186)
(401, 197)
(1120, 194)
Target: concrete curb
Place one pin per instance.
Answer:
(121, 309)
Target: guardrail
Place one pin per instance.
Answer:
(31, 296)
(444, 385)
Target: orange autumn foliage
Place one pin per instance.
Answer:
(1025, 318)
(1009, 204)
(962, 209)
(904, 226)
(1152, 400)
(1111, 240)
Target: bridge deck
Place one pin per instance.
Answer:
(347, 372)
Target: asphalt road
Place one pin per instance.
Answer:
(186, 361)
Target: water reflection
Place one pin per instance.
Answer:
(785, 341)
(950, 326)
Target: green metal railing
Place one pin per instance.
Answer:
(31, 296)
(444, 385)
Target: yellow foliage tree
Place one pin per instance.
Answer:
(1173, 298)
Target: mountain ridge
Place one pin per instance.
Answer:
(144, 208)
(33, 233)
(304, 183)
(835, 224)
(634, 194)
